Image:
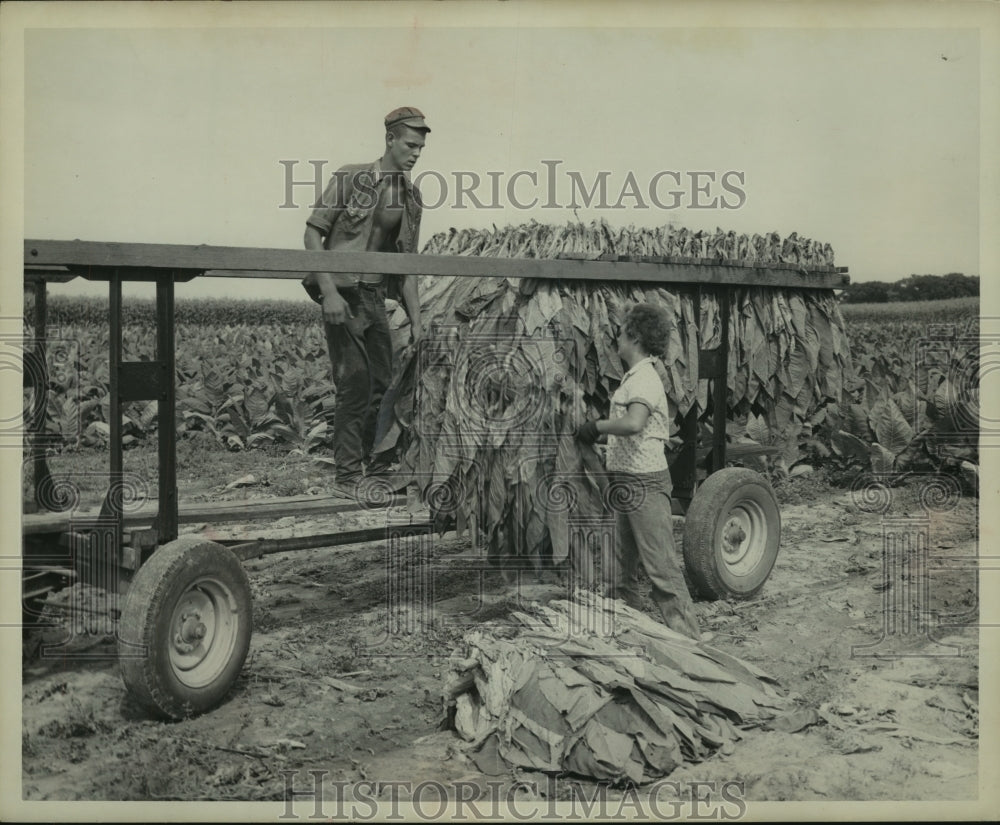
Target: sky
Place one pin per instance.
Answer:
(864, 138)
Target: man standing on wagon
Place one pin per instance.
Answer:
(366, 207)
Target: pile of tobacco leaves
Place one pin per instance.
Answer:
(593, 688)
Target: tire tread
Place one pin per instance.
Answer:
(700, 558)
(138, 624)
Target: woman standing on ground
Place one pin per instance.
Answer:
(637, 431)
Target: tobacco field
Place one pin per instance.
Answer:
(266, 380)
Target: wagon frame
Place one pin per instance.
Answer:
(194, 599)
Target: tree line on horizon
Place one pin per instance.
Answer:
(913, 288)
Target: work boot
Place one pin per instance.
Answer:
(386, 473)
(345, 488)
(380, 466)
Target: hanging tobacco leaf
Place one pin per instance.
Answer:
(509, 368)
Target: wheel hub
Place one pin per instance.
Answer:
(743, 537)
(203, 632)
(734, 534)
(192, 631)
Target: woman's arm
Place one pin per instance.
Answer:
(629, 424)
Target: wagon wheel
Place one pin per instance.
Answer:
(185, 628)
(731, 534)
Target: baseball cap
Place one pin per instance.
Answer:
(407, 115)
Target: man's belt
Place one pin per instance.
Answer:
(309, 282)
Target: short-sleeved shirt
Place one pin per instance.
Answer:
(644, 451)
(345, 215)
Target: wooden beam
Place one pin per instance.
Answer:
(211, 512)
(51, 274)
(91, 258)
(255, 548)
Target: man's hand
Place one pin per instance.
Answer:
(411, 300)
(588, 433)
(335, 309)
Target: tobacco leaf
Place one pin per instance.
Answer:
(849, 446)
(883, 460)
(891, 428)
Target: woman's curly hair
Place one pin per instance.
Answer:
(649, 326)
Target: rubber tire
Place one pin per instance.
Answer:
(706, 518)
(145, 624)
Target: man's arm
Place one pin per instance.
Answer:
(411, 300)
(335, 309)
(319, 225)
(408, 288)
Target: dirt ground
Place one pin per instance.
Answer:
(892, 670)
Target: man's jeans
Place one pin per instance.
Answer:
(646, 534)
(361, 355)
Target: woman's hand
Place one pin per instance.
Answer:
(588, 433)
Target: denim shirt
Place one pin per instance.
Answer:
(345, 216)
